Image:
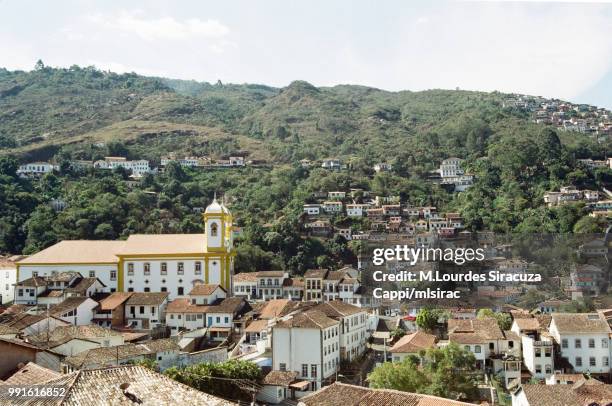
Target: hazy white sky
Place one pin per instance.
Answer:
(555, 49)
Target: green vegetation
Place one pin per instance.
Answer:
(83, 113)
(504, 320)
(225, 379)
(448, 372)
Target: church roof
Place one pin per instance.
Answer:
(77, 251)
(164, 244)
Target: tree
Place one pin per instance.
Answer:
(504, 321)
(398, 333)
(426, 319)
(202, 377)
(447, 372)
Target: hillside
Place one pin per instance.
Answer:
(64, 115)
(45, 109)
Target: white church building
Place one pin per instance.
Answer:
(171, 263)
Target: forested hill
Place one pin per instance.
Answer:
(46, 108)
(64, 115)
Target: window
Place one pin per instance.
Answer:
(130, 268)
(152, 309)
(180, 268)
(591, 343)
(538, 352)
(180, 291)
(577, 343)
(20, 292)
(218, 319)
(163, 289)
(282, 366)
(226, 320)
(92, 274)
(578, 361)
(213, 229)
(141, 310)
(130, 289)
(564, 343)
(34, 274)
(147, 289)
(605, 361)
(147, 268)
(548, 369)
(538, 369)
(305, 370)
(592, 361)
(113, 275)
(198, 268)
(313, 370)
(604, 343)
(477, 349)
(467, 348)
(548, 351)
(164, 268)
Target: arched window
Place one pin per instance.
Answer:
(213, 230)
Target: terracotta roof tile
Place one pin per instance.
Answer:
(580, 323)
(147, 298)
(77, 251)
(202, 289)
(142, 386)
(308, 319)
(338, 394)
(413, 343)
(31, 374)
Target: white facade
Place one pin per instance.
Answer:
(36, 168)
(139, 315)
(8, 279)
(538, 356)
(311, 352)
(82, 315)
(177, 276)
(107, 273)
(312, 209)
(138, 167)
(588, 352)
(353, 336)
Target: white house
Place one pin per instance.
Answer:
(204, 294)
(36, 168)
(77, 310)
(584, 340)
(146, 310)
(312, 209)
(309, 344)
(8, 279)
(353, 334)
(411, 344)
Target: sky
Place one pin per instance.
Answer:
(553, 49)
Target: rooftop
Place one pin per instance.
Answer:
(568, 323)
(308, 319)
(125, 385)
(584, 392)
(31, 374)
(413, 343)
(147, 298)
(344, 394)
(153, 244)
(77, 251)
(202, 289)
